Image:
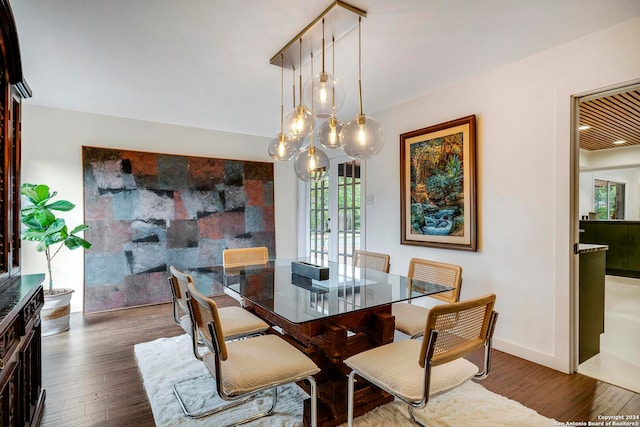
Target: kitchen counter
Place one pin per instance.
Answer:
(590, 247)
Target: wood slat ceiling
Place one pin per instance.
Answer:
(612, 118)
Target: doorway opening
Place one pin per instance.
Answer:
(607, 213)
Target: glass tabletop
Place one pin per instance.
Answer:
(300, 299)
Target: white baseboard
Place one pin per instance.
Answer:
(544, 359)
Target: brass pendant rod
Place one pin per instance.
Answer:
(282, 100)
(322, 45)
(293, 80)
(360, 61)
(300, 65)
(333, 72)
(312, 132)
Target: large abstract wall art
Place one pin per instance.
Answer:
(148, 211)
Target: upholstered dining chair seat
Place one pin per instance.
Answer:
(236, 322)
(247, 369)
(393, 367)
(410, 318)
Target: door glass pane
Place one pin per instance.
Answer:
(334, 213)
(348, 184)
(319, 221)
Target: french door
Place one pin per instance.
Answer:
(335, 228)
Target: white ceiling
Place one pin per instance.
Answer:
(205, 63)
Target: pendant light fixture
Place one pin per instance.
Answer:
(324, 90)
(300, 121)
(329, 131)
(282, 147)
(320, 99)
(311, 164)
(362, 137)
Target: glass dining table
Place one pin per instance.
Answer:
(329, 320)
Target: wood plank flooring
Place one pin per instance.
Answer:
(92, 379)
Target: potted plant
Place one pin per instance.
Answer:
(52, 235)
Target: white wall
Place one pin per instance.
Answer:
(52, 154)
(525, 223)
(628, 176)
(613, 158)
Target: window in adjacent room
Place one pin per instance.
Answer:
(608, 199)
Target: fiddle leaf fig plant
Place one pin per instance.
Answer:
(44, 227)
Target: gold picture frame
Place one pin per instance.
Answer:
(438, 185)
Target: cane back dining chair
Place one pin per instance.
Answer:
(372, 260)
(409, 317)
(236, 321)
(244, 368)
(414, 370)
(245, 256)
(238, 257)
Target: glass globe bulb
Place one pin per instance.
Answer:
(329, 133)
(325, 93)
(299, 122)
(311, 164)
(282, 148)
(362, 137)
(297, 142)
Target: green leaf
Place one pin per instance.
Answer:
(33, 224)
(80, 228)
(57, 225)
(75, 242)
(45, 218)
(43, 192)
(61, 205)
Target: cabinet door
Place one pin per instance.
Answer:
(10, 396)
(614, 235)
(590, 233)
(633, 247)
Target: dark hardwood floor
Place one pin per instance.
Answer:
(91, 376)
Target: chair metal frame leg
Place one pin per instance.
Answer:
(243, 399)
(487, 349)
(198, 415)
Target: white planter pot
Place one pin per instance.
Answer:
(56, 310)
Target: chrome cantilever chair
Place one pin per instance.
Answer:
(246, 367)
(410, 317)
(236, 321)
(414, 370)
(372, 260)
(238, 257)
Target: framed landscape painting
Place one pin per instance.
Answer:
(438, 185)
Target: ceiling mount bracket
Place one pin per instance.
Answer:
(340, 18)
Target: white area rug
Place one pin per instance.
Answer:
(167, 361)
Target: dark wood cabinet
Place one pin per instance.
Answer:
(13, 89)
(21, 298)
(623, 239)
(21, 392)
(615, 236)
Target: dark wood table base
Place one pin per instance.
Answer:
(330, 341)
